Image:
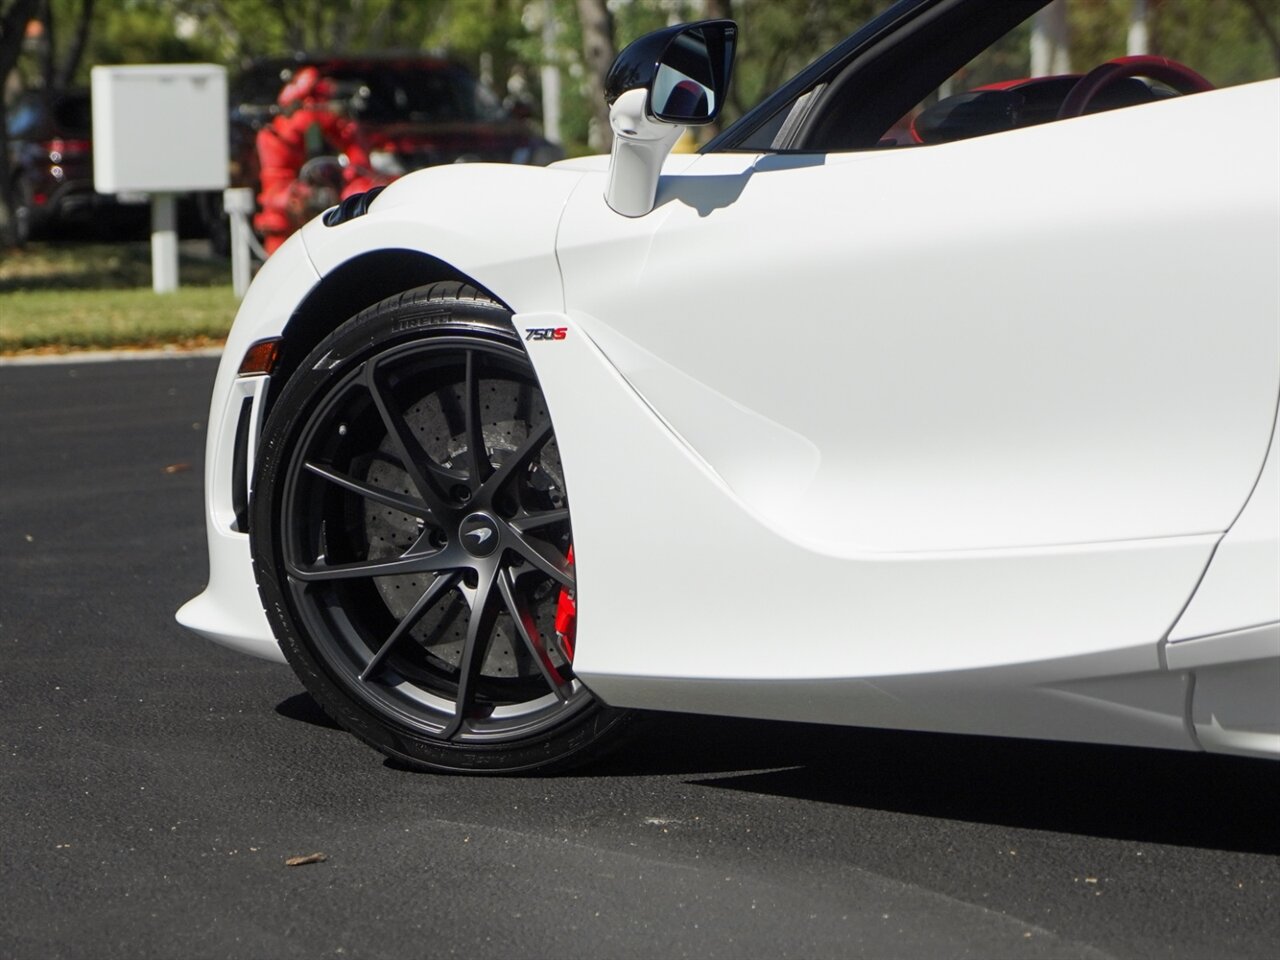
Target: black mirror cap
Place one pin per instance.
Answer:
(637, 65)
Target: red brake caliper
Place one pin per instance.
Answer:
(567, 617)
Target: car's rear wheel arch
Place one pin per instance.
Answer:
(355, 285)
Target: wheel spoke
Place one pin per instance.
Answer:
(402, 436)
(545, 557)
(444, 477)
(408, 563)
(481, 467)
(542, 518)
(484, 614)
(439, 585)
(532, 446)
(387, 498)
(528, 631)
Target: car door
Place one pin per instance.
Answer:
(1052, 336)
(1010, 389)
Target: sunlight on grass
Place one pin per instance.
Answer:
(77, 296)
(77, 319)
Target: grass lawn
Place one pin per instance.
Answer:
(73, 296)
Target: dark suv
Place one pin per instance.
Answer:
(51, 165)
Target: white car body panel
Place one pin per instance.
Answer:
(1242, 585)
(492, 221)
(1237, 671)
(951, 445)
(935, 374)
(903, 620)
(229, 611)
(903, 483)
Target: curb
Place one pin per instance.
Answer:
(107, 356)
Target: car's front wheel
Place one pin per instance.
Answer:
(412, 540)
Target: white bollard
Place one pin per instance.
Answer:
(239, 204)
(164, 243)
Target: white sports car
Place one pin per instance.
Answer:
(888, 409)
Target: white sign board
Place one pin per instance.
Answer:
(160, 128)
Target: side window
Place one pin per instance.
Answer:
(997, 91)
(778, 128)
(1070, 58)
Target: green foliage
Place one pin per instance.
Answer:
(780, 37)
(1221, 39)
(136, 32)
(1227, 40)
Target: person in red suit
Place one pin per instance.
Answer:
(308, 124)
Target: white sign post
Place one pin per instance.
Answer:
(160, 129)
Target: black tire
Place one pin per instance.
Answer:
(410, 584)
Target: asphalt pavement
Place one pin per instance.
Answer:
(152, 785)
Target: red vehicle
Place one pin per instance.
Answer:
(409, 112)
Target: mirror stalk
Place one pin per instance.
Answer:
(640, 147)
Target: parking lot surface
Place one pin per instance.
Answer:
(152, 785)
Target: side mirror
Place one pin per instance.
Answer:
(657, 86)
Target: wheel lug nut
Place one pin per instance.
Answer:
(460, 493)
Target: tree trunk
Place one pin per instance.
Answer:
(598, 54)
(1050, 41)
(719, 10)
(13, 26)
(75, 53)
(47, 70)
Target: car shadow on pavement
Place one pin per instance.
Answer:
(1153, 796)
(303, 707)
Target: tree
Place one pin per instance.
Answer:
(59, 71)
(1269, 23)
(69, 65)
(1228, 41)
(598, 53)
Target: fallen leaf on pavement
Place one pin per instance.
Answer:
(309, 858)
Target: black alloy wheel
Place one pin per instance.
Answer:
(412, 540)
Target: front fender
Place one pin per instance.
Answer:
(496, 223)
